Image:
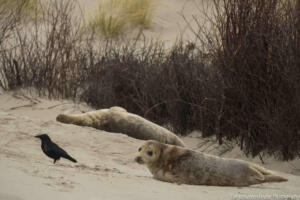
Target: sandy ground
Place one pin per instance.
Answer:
(105, 168)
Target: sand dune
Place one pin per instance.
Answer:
(105, 168)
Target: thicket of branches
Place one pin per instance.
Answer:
(240, 80)
(260, 64)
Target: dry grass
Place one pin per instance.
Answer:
(109, 20)
(29, 8)
(140, 12)
(117, 17)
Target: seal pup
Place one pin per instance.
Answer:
(184, 166)
(118, 120)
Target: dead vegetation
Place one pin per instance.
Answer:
(116, 18)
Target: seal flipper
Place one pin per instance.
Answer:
(269, 176)
(275, 178)
(256, 174)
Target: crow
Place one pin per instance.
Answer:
(52, 150)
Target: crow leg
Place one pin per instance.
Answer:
(55, 160)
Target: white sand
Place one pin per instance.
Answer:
(105, 168)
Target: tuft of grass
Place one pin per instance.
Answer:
(117, 17)
(140, 12)
(26, 9)
(109, 20)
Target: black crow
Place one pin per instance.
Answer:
(52, 150)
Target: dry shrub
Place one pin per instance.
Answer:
(9, 18)
(27, 10)
(169, 87)
(48, 54)
(257, 53)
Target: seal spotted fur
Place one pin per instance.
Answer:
(180, 165)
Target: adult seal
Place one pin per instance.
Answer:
(117, 119)
(180, 165)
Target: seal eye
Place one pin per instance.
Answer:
(150, 153)
(139, 149)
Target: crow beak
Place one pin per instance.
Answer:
(38, 136)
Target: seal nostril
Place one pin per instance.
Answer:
(139, 160)
(139, 149)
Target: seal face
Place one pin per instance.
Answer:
(150, 153)
(180, 165)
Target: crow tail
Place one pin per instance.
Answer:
(70, 158)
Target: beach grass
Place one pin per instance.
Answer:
(118, 17)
